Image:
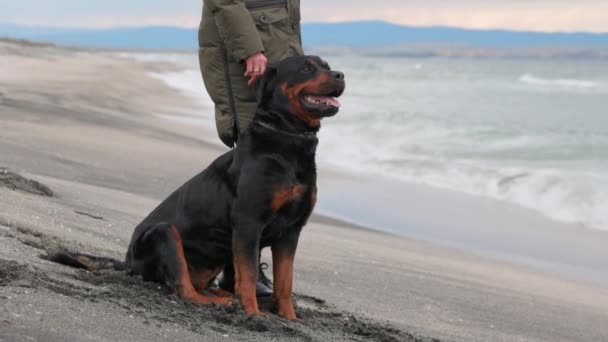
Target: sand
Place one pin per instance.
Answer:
(87, 126)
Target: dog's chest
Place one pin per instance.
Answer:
(292, 207)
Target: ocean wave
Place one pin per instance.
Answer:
(570, 191)
(182, 59)
(559, 82)
(566, 196)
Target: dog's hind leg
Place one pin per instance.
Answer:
(170, 263)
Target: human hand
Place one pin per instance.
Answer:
(256, 66)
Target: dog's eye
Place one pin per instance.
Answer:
(307, 68)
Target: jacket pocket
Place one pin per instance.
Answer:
(257, 4)
(266, 16)
(274, 26)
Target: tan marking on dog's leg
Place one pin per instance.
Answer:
(282, 265)
(183, 285)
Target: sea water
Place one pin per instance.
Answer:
(530, 132)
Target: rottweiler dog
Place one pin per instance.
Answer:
(258, 195)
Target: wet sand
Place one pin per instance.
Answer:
(88, 127)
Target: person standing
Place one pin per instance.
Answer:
(237, 40)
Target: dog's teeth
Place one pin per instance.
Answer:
(320, 100)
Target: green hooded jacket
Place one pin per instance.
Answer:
(232, 30)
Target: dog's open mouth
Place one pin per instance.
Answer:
(322, 101)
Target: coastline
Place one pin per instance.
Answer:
(97, 140)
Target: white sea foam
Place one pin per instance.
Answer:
(559, 82)
(567, 196)
(188, 82)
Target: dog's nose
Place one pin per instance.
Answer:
(337, 75)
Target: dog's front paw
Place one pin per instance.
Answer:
(286, 310)
(289, 316)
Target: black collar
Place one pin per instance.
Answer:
(304, 135)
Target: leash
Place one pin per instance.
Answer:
(231, 104)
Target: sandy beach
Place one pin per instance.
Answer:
(90, 127)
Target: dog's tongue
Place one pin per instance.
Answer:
(332, 101)
(325, 100)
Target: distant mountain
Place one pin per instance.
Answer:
(372, 33)
(354, 35)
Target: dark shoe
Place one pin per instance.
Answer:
(263, 287)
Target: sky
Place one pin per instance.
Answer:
(529, 15)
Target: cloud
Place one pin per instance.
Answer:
(518, 15)
(536, 15)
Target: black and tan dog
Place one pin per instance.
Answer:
(260, 194)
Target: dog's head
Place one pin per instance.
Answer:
(303, 86)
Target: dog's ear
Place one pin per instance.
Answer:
(266, 85)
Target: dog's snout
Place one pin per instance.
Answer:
(337, 75)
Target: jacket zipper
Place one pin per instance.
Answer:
(266, 4)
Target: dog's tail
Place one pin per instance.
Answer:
(87, 262)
